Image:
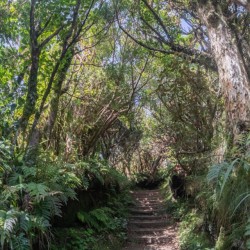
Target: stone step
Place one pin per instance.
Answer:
(146, 191)
(146, 199)
(147, 217)
(146, 224)
(151, 206)
(148, 207)
(146, 231)
(134, 246)
(149, 199)
(146, 195)
(147, 239)
(136, 211)
(149, 228)
(149, 202)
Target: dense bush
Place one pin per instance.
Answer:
(97, 225)
(31, 196)
(230, 184)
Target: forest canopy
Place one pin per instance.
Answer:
(100, 93)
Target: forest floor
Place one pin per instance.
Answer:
(149, 226)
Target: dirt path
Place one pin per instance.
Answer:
(149, 226)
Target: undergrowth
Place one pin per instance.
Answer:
(214, 214)
(191, 231)
(102, 228)
(31, 196)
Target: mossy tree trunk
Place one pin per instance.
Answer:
(232, 71)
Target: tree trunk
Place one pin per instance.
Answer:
(232, 72)
(31, 98)
(54, 104)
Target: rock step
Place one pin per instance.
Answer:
(136, 202)
(149, 199)
(146, 195)
(146, 198)
(153, 205)
(147, 217)
(157, 194)
(136, 211)
(148, 207)
(146, 191)
(147, 239)
(146, 224)
(146, 231)
(133, 246)
(149, 227)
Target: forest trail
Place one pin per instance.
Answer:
(149, 227)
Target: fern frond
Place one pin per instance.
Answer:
(215, 171)
(89, 220)
(101, 215)
(24, 221)
(55, 204)
(20, 242)
(245, 197)
(37, 190)
(40, 223)
(247, 234)
(8, 220)
(29, 171)
(227, 174)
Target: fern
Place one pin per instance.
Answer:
(40, 223)
(38, 190)
(98, 218)
(89, 220)
(215, 171)
(227, 174)
(247, 234)
(29, 171)
(94, 169)
(8, 221)
(230, 183)
(24, 222)
(85, 182)
(222, 173)
(20, 242)
(102, 215)
(244, 196)
(55, 204)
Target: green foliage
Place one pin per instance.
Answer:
(30, 198)
(98, 218)
(17, 227)
(100, 224)
(32, 195)
(230, 184)
(74, 238)
(92, 104)
(99, 170)
(190, 232)
(247, 234)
